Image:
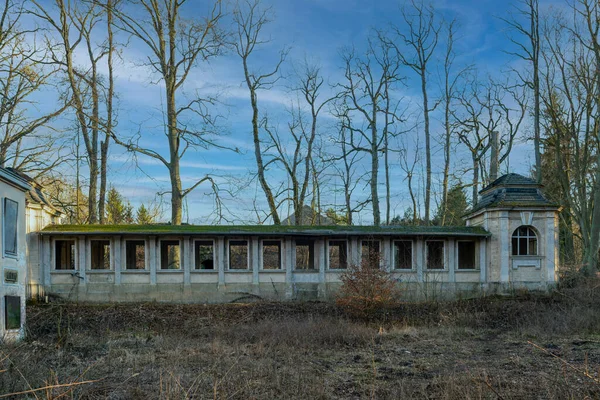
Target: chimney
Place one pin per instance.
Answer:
(494, 157)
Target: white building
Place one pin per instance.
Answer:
(14, 255)
(511, 240)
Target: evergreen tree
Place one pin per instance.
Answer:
(456, 208)
(117, 212)
(143, 216)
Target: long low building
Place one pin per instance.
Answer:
(510, 241)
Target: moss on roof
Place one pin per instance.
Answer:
(160, 229)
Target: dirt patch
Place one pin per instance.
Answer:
(527, 347)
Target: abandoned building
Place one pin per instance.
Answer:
(14, 255)
(510, 240)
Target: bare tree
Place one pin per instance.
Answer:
(176, 43)
(482, 110)
(571, 104)
(451, 81)
(303, 131)
(408, 165)
(529, 50)
(27, 143)
(347, 166)
(249, 21)
(367, 90)
(417, 45)
(76, 25)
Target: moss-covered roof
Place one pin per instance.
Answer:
(263, 230)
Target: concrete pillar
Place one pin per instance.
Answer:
(551, 247)
(82, 258)
(386, 254)
(420, 253)
(354, 252)
(451, 259)
(187, 251)
(504, 253)
(220, 251)
(115, 248)
(46, 263)
(483, 260)
(152, 244)
(322, 261)
(288, 257)
(254, 247)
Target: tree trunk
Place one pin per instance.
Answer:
(475, 179)
(427, 145)
(375, 168)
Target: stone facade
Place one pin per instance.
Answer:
(228, 263)
(14, 255)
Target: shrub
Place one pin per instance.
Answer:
(367, 290)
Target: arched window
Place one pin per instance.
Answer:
(524, 242)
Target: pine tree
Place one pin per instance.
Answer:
(116, 210)
(143, 216)
(457, 207)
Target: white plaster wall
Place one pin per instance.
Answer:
(18, 263)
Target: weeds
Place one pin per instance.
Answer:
(467, 349)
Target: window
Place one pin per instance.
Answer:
(64, 252)
(11, 208)
(170, 256)
(338, 254)
(135, 254)
(100, 254)
(238, 254)
(305, 254)
(204, 251)
(271, 251)
(403, 254)
(435, 254)
(370, 256)
(524, 242)
(466, 255)
(12, 312)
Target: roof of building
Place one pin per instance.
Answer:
(36, 192)
(511, 179)
(10, 176)
(264, 230)
(513, 190)
(309, 217)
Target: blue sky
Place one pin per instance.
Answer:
(315, 30)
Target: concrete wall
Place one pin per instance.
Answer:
(13, 264)
(513, 271)
(36, 218)
(223, 284)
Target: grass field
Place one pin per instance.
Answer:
(526, 346)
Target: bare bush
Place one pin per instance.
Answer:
(367, 290)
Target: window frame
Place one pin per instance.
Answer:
(4, 236)
(444, 266)
(160, 255)
(75, 255)
(248, 264)
(195, 258)
(262, 255)
(475, 253)
(110, 255)
(345, 242)
(5, 301)
(311, 242)
(412, 255)
(145, 256)
(517, 236)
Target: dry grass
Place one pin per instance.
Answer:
(528, 346)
